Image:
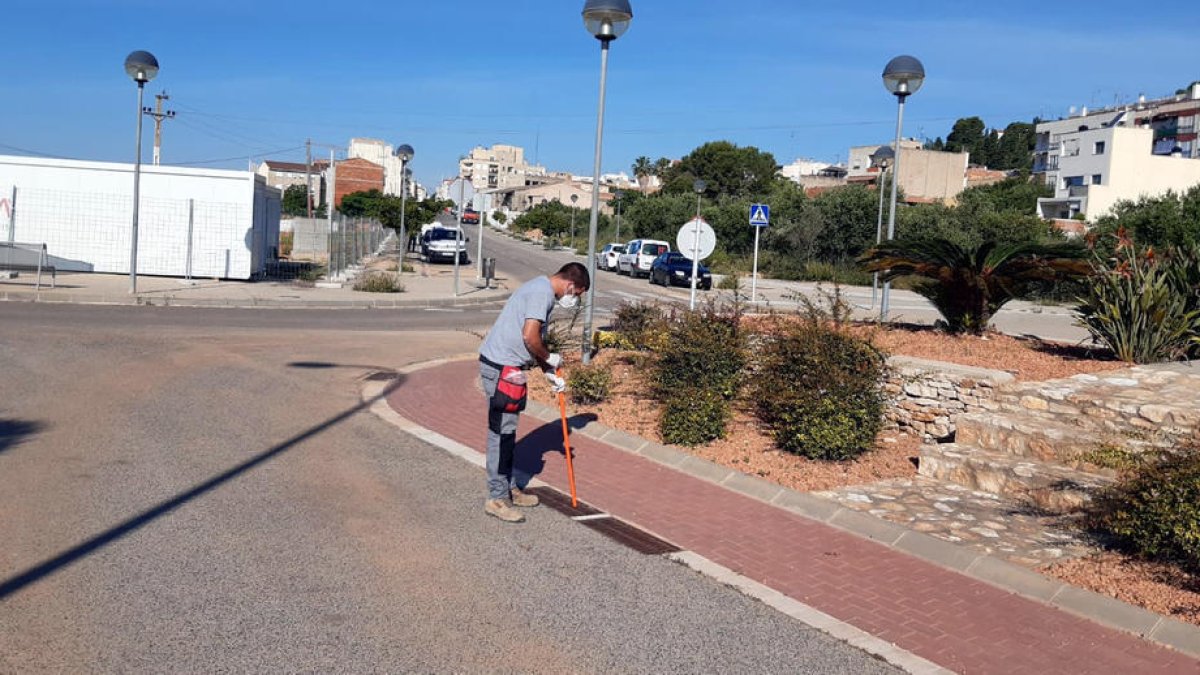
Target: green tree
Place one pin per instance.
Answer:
(642, 167)
(295, 200)
(726, 168)
(969, 284)
(966, 136)
(1015, 150)
(359, 204)
(1170, 219)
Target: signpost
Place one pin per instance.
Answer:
(696, 240)
(760, 217)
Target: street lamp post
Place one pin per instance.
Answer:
(404, 153)
(619, 195)
(142, 67)
(574, 200)
(698, 186)
(902, 76)
(606, 20)
(881, 158)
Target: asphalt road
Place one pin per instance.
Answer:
(187, 490)
(520, 261)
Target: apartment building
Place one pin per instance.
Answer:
(381, 153)
(1091, 169)
(498, 167)
(282, 175)
(925, 176)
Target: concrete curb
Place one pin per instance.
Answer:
(372, 392)
(244, 303)
(1107, 611)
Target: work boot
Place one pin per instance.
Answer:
(503, 509)
(523, 498)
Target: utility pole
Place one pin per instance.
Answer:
(159, 115)
(308, 200)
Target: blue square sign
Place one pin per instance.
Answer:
(760, 215)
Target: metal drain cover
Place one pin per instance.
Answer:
(618, 530)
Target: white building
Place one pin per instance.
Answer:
(802, 168)
(379, 152)
(1093, 168)
(498, 167)
(860, 156)
(219, 223)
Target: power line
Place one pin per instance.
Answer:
(241, 156)
(34, 153)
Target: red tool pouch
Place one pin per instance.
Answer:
(511, 391)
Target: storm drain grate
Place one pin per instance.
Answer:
(562, 503)
(380, 376)
(618, 530)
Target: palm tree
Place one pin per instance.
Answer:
(642, 166)
(968, 285)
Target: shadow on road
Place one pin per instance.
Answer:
(529, 455)
(81, 550)
(13, 432)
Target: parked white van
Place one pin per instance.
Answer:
(639, 255)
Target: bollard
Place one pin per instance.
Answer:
(489, 271)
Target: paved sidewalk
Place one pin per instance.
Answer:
(948, 618)
(427, 286)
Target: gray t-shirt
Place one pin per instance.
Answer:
(505, 343)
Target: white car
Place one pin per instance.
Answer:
(438, 243)
(606, 259)
(639, 255)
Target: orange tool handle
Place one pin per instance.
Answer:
(562, 408)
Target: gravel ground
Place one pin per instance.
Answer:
(1158, 587)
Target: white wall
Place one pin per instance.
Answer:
(1135, 172)
(83, 212)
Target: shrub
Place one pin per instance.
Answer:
(1154, 509)
(1141, 306)
(312, 273)
(694, 417)
(378, 282)
(589, 384)
(641, 324)
(820, 390)
(704, 350)
(730, 282)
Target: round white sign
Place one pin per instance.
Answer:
(686, 241)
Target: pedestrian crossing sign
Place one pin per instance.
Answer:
(760, 215)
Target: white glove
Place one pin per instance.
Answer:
(554, 361)
(557, 384)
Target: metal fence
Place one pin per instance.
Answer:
(352, 240)
(327, 247)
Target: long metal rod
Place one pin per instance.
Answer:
(754, 274)
(191, 223)
(878, 236)
(479, 251)
(695, 252)
(891, 233)
(401, 240)
(12, 216)
(595, 217)
(462, 187)
(137, 179)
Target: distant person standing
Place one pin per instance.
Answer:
(515, 343)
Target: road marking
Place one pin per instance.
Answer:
(443, 309)
(594, 516)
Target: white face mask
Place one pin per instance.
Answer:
(568, 301)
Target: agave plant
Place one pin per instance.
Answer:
(968, 285)
(1142, 305)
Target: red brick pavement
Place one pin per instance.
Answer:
(943, 616)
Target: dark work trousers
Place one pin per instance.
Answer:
(501, 441)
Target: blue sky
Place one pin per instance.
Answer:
(251, 78)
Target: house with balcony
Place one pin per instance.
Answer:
(1091, 169)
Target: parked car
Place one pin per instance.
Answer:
(673, 268)
(438, 243)
(639, 255)
(606, 259)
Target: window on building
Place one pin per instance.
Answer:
(1098, 149)
(1096, 179)
(1072, 181)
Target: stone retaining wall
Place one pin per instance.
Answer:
(925, 397)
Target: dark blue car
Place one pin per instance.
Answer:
(673, 268)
